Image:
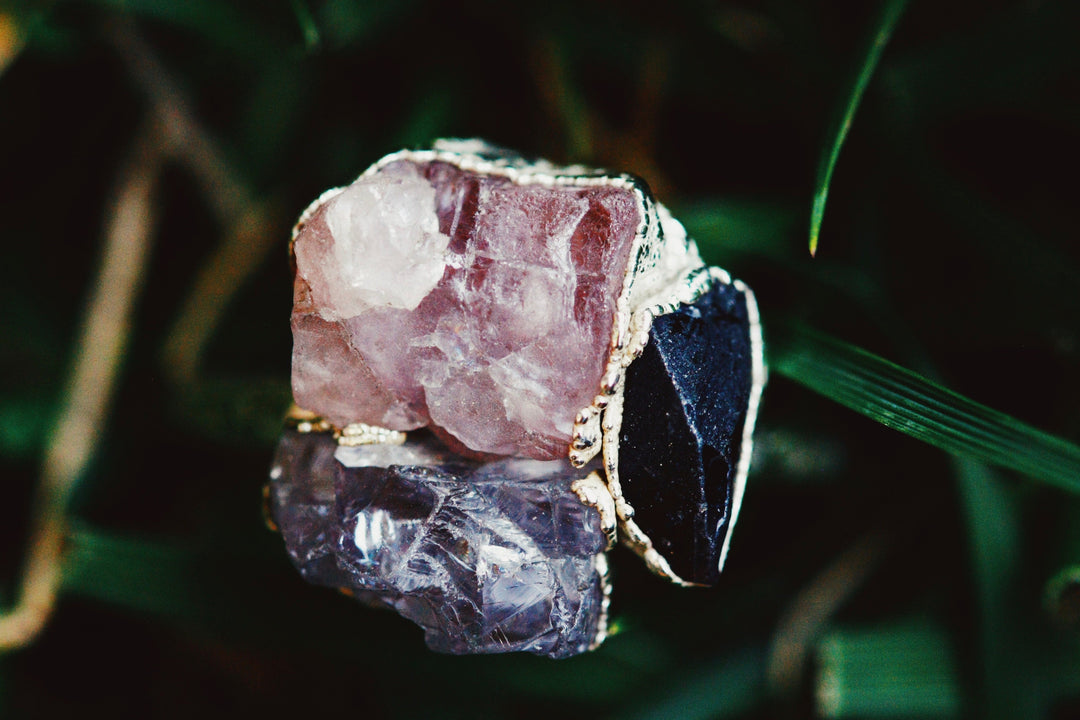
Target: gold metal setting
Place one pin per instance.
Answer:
(593, 491)
(352, 435)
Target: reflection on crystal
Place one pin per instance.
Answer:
(485, 557)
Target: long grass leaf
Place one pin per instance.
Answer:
(883, 28)
(993, 519)
(134, 573)
(900, 669)
(728, 687)
(905, 401)
(724, 226)
(307, 24)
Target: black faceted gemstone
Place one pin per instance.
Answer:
(682, 430)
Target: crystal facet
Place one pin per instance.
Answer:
(427, 294)
(486, 557)
(687, 399)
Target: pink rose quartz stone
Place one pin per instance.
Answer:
(427, 295)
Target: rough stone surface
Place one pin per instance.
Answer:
(486, 557)
(686, 403)
(428, 295)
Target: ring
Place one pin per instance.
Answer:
(500, 367)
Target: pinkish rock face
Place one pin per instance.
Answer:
(430, 295)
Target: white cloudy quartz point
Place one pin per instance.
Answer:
(385, 248)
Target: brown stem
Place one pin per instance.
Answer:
(249, 227)
(71, 444)
(814, 606)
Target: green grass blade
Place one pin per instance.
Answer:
(1007, 641)
(883, 28)
(306, 21)
(894, 670)
(905, 401)
(133, 573)
(725, 226)
(728, 687)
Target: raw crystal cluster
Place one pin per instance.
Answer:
(687, 399)
(486, 557)
(426, 294)
(502, 305)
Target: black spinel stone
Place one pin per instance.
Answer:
(682, 431)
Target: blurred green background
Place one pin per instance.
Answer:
(873, 574)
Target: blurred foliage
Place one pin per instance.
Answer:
(892, 670)
(883, 28)
(950, 249)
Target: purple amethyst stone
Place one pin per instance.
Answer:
(486, 557)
